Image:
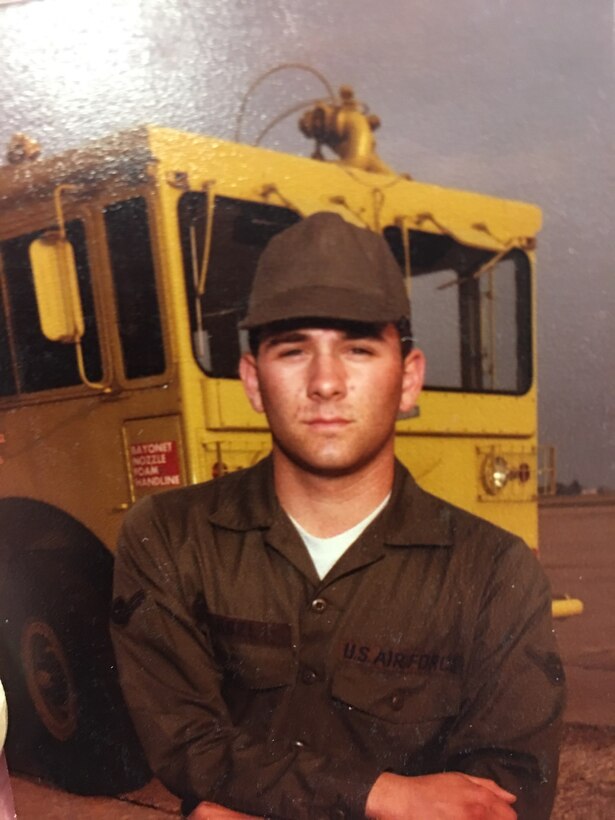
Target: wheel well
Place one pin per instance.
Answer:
(69, 724)
(34, 533)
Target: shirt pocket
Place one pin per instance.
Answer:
(258, 667)
(256, 679)
(401, 723)
(253, 654)
(398, 699)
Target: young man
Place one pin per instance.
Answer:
(316, 637)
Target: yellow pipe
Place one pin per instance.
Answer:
(566, 607)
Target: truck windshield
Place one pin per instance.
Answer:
(239, 233)
(472, 320)
(474, 330)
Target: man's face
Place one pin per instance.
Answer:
(332, 394)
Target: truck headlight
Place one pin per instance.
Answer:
(496, 473)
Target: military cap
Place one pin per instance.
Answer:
(324, 267)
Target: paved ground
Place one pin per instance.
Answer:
(36, 801)
(578, 551)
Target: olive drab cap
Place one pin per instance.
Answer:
(324, 267)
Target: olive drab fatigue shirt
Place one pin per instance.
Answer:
(428, 647)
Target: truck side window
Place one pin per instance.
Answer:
(474, 329)
(41, 363)
(134, 278)
(241, 230)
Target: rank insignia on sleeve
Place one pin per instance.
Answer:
(549, 663)
(122, 610)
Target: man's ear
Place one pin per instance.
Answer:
(412, 380)
(248, 374)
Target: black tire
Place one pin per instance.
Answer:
(67, 718)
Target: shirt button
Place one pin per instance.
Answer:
(299, 744)
(309, 676)
(319, 605)
(397, 702)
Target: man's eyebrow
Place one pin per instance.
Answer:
(370, 332)
(291, 337)
(297, 336)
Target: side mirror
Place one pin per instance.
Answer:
(57, 288)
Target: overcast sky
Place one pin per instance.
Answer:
(509, 97)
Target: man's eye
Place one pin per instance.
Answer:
(361, 350)
(289, 352)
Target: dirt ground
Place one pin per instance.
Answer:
(578, 552)
(587, 774)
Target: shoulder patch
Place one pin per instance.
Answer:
(122, 610)
(549, 663)
(199, 608)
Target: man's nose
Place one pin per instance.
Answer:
(327, 377)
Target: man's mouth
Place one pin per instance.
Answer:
(327, 423)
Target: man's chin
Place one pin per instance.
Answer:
(333, 465)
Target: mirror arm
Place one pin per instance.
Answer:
(57, 201)
(210, 199)
(98, 386)
(402, 224)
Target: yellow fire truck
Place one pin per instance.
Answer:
(124, 268)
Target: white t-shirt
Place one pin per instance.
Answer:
(325, 552)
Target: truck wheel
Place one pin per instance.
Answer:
(67, 718)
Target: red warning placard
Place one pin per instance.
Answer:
(155, 464)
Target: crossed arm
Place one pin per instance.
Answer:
(451, 796)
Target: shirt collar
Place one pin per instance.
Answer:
(411, 518)
(249, 501)
(414, 517)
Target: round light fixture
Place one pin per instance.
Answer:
(496, 473)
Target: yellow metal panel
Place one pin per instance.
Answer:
(447, 467)
(188, 373)
(441, 412)
(473, 414)
(246, 172)
(230, 453)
